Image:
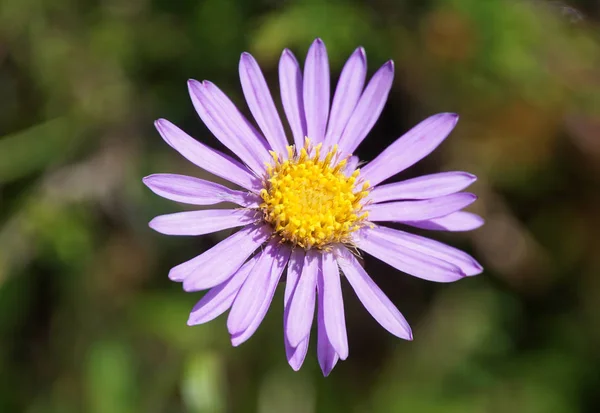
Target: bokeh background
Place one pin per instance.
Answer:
(88, 319)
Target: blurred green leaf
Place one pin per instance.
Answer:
(111, 383)
(203, 383)
(38, 147)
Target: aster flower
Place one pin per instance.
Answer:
(306, 206)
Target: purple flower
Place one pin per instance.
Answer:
(306, 206)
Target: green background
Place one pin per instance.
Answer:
(88, 319)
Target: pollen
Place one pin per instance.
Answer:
(310, 200)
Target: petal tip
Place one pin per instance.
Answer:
(238, 339)
(193, 83)
(246, 57)
(189, 287)
(294, 366)
(174, 275)
(471, 176)
(326, 371)
(194, 88)
(478, 268)
(287, 53)
(152, 224)
(361, 53)
(318, 46)
(147, 180)
(447, 116)
(233, 326)
(160, 123)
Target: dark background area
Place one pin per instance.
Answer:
(89, 321)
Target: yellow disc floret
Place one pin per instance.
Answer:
(310, 201)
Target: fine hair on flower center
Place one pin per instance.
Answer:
(309, 199)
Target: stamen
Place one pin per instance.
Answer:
(311, 203)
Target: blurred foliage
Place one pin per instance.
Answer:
(88, 319)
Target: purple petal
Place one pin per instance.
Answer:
(351, 165)
(316, 91)
(242, 129)
(423, 187)
(294, 271)
(228, 125)
(420, 210)
(255, 296)
(294, 355)
(405, 241)
(203, 222)
(374, 300)
(206, 158)
(457, 221)
(347, 93)
(416, 263)
(368, 109)
(195, 191)
(410, 148)
(261, 103)
(218, 299)
(302, 303)
(290, 83)
(326, 354)
(221, 261)
(333, 305)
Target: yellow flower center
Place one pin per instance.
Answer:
(309, 200)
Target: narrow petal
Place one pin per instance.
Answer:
(220, 262)
(252, 292)
(228, 125)
(326, 354)
(351, 165)
(368, 109)
(290, 83)
(423, 187)
(347, 93)
(416, 263)
(255, 296)
(195, 191)
(203, 222)
(333, 305)
(374, 300)
(295, 355)
(219, 299)
(261, 103)
(457, 221)
(294, 271)
(242, 129)
(420, 210)
(410, 148)
(206, 158)
(302, 305)
(403, 240)
(316, 91)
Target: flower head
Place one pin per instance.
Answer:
(306, 206)
(309, 201)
